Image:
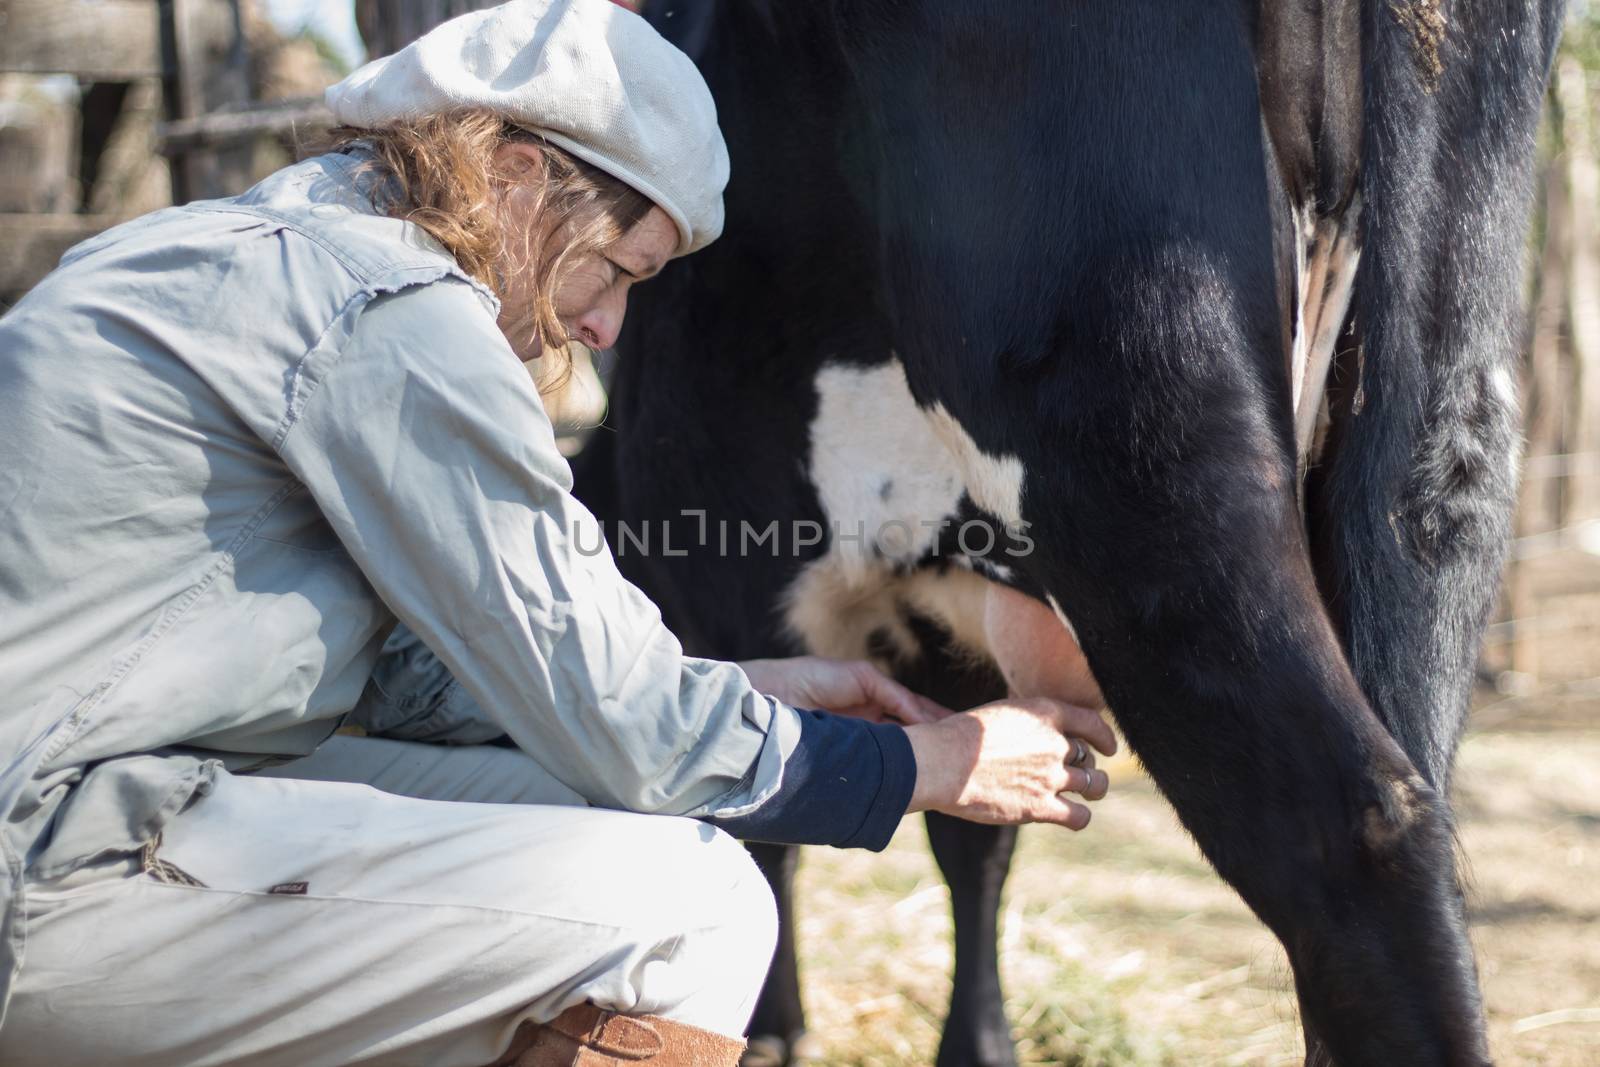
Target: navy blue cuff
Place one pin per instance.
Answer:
(847, 783)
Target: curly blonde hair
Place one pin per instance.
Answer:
(444, 178)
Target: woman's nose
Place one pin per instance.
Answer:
(600, 325)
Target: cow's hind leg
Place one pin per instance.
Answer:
(975, 860)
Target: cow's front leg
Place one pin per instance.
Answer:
(1176, 549)
(1204, 627)
(778, 1026)
(975, 860)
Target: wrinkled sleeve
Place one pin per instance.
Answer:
(429, 452)
(841, 774)
(412, 696)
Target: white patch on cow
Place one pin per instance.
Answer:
(993, 482)
(887, 473)
(956, 600)
(882, 464)
(834, 608)
(878, 468)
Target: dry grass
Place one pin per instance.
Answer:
(1119, 947)
(1122, 949)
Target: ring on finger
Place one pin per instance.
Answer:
(1080, 754)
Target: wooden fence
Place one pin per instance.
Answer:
(134, 64)
(1558, 519)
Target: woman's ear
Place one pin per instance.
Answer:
(516, 161)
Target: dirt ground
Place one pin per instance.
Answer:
(1121, 947)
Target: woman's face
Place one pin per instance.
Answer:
(593, 298)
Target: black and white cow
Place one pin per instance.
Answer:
(1213, 304)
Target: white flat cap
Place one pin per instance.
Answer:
(587, 75)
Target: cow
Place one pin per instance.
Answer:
(1199, 319)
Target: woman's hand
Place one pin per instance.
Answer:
(845, 687)
(1011, 762)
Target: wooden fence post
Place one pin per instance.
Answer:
(1541, 392)
(389, 25)
(207, 60)
(1583, 297)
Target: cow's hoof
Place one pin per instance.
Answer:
(994, 1052)
(769, 1050)
(805, 1050)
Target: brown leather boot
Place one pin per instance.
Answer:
(586, 1036)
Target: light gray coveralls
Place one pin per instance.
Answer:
(239, 442)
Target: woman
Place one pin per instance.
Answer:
(271, 464)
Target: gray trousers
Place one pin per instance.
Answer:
(384, 902)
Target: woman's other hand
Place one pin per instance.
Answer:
(845, 687)
(1012, 762)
